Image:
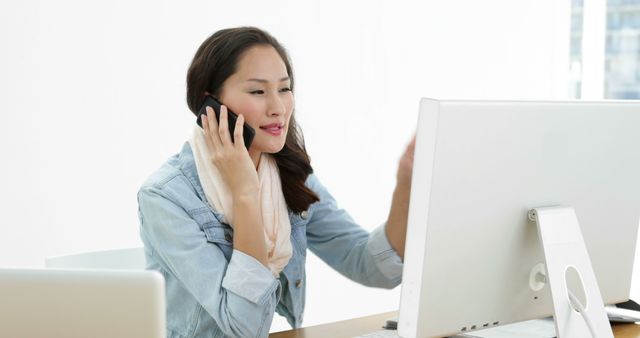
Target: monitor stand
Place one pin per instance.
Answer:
(566, 257)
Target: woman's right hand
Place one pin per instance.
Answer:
(231, 159)
(239, 171)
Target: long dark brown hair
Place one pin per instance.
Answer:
(215, 61)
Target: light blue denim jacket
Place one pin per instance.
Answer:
(213, 290)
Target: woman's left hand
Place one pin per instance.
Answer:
(405, 167)
(396, 227)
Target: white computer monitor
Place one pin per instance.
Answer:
(479, 167)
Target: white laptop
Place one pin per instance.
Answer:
(51, 303)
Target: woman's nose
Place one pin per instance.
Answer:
(276, 106)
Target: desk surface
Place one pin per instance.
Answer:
(359, 326)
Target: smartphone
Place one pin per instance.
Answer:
(248, 133)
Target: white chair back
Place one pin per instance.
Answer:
(121, 259)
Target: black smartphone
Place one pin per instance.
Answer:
(247, 132)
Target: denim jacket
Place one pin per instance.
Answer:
(213, 290)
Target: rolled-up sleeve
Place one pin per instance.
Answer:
(249, 279)
(385, 257)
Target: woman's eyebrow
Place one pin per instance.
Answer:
(266, 81)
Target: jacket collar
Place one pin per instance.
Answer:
(187, 165)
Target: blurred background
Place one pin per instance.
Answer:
(92, 100)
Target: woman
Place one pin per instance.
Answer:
(228, 227)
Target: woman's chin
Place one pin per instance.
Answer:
(270, 148)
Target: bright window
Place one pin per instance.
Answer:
(620, 66)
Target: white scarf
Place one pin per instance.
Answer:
(275, 216)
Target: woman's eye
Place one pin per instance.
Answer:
(287, 89)
(257, 92)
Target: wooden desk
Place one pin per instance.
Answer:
(358, 326)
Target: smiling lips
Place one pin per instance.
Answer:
(274, 129)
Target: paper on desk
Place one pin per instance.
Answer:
(380, 334)
(537, 328)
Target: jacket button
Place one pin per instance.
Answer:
(304, 214)
(299, 283)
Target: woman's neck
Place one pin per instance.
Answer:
(255, 157)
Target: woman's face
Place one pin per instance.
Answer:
(260, 90)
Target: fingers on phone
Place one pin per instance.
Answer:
(209, 124)
(204, 119)
(223, 128)
(211, 118)
(238, 132)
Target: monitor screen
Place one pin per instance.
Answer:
(479, 167)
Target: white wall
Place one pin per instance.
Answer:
(92, 101)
